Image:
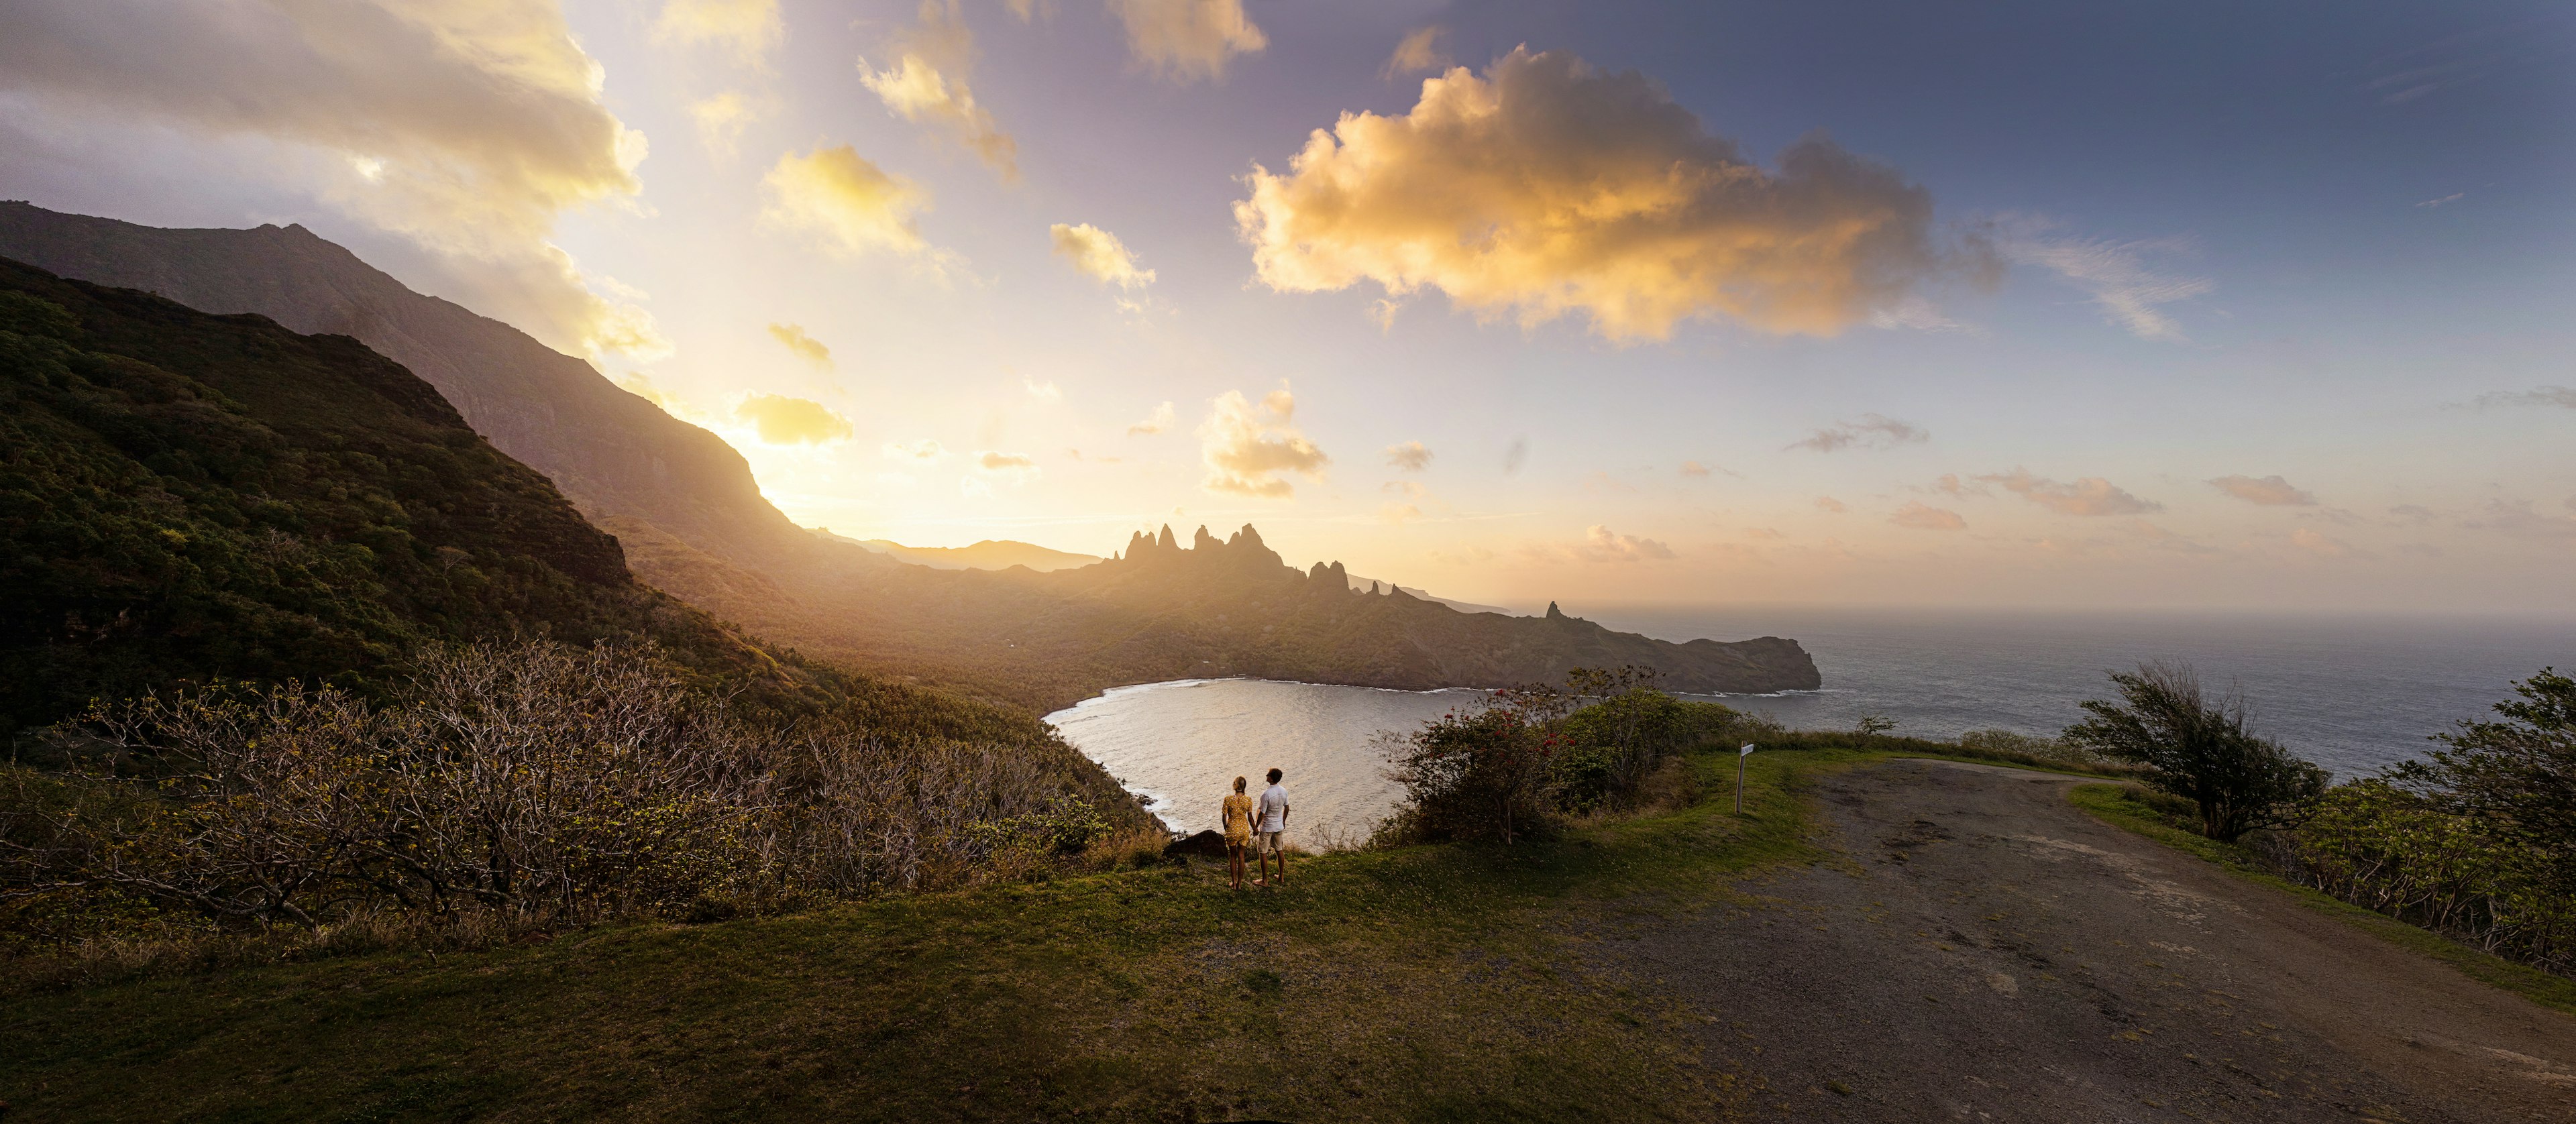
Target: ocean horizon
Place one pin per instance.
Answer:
(2354, 693)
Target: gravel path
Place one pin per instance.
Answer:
(1988, 952)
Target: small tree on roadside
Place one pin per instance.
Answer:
(2199, 749)
(2517, 775)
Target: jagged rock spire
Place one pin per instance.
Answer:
(1167, 542)
(1553, 613)
(1203, 540)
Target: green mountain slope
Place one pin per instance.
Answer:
(612, 453)
(185, 496)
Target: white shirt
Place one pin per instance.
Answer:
(1274, 809)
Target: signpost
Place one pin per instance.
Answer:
(1740, 755)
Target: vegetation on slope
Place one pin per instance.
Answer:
(2477, 842)
(186, 499)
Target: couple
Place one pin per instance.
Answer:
(1248, 825)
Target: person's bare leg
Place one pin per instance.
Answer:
(1234, 866)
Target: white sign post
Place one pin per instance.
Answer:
(1740, 755)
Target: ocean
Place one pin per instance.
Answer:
(2351, 693)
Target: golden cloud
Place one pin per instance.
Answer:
(1098, 254)
(923, 450)
(1188, 39)
(927, 85)
(1600, 544)
(804, 346)
(2269, 491)
(1250, 450)
(2090, 495)
(1005, 462)
(1409, 457)
(855, 205)
(750, 28)
(1925, 517)
(467, 127)
(1545, 188)
(1828, 503)
(1418, 51)
(722, 117)
(781, 420)
(1156, 422)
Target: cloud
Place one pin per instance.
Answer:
(1005, 463)
(2316, 543)
(1409, 457)
(2269, 491)
(2453, 197)
(2089, 495)
(1873, 431)
(1925, 517)
(1398, 513)
(1099, 255)
(923, 450)
(1250, 450)
(1161, 419)
(1042, 391)
(806, 347)
(466, 128)
(2519, 517)
(2128, 291)
(1515, 455)
(1185, 40)
(2416, 514)
(1546, 188)
(748, 28)
(1828, 503)
(2542, 396)
(1694, 468)
(856, 206)
(1601, 545)
(1950, 484)
(927, 85)
(781, 420)
(722, 118)
(1418, 51)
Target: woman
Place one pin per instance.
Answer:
(1237, 818)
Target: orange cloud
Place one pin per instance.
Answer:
(1188, 39)
(781, 420)
(927, 85)
(1250, 451)
(1925, 517)
(2269, 491)
(2090, 495)
(854, 204)
(1546, 187)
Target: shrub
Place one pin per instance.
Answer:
(1513, 764)
(2199, 749)
(544, 783)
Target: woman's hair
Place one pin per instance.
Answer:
(1238, 784)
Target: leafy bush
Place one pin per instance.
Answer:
(1523, 757)
(2198, 748)
(2478, 841)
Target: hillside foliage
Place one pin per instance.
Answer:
(534, 780)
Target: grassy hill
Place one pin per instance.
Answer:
(186, 496)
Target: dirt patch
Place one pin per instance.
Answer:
(1991, 953)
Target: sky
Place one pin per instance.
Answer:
(2189, 305)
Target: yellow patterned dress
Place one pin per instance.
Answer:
(1238, 820)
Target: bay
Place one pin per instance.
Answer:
(2352, 693)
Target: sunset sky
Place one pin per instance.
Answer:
(2215, 305)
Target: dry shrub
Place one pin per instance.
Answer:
(509, 787)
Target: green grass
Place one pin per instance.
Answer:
(2118, 806)
(1425, 983)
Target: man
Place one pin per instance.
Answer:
(1268, 830)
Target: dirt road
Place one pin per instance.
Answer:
(1988, 952)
